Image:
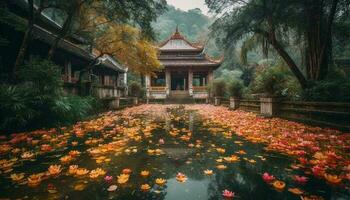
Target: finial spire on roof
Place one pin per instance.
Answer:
(177, 29)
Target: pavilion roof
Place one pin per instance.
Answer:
(177, 42)
(198, 61)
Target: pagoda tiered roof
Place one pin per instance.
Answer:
(178, 51)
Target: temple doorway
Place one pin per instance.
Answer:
(179, 81)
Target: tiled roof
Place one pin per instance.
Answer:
(178, 42)
(190, 62)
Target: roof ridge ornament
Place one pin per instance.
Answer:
(177, 34)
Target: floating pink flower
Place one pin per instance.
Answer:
(108, 178)
(317, 170)
(161, 141)
(228, 194)
(300, 179)
(268, 178)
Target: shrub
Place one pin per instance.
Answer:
(236, 88)
(329, 90)
(219, 88)
(270, 81)
(135, 89)
(37, 101)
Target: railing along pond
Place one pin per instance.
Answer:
(326, 114)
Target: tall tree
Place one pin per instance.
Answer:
(135, 12)
(274, 20)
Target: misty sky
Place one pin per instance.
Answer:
(189, 4)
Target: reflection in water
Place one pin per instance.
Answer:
(190, 147)
(191, 189)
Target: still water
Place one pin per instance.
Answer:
(185, 144)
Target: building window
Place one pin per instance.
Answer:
(159, 80)
(200, 79)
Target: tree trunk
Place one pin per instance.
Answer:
(23, 49)
(26, 39)
(65, 28)
(270, 36)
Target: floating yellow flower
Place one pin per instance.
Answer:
(74, 153)
(81, 171)
(181, 177)
(144, 173)
(220, 150)
(123, 178)
(333, 179)
(54, 170)
(27, 155)
(34, 180)
(208, 172)
(97, 172)
(17, 177)
(66, 159)
(296, 191)
(75, 143)
(242, 152)
(145, 187)
(73, 169)
(160, 181)
(221, 167)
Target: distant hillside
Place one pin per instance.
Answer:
(192, 24)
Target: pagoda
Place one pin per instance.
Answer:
(187, 70)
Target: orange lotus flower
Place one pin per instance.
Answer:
(74, 153)
(17, 177)
(81, 171)
(126, 171)
(123, 178)
(220, 150)
(279, 185)
(66, 159)
(97, 173)
(46, 147)
(145, 173)
(73, 169)
(296, 191)
(221, 167)
(145, 187)
(160, 181)
(208, 172)
(181, 177)
(54, 170)
(333, 179)
(34, 180)
(27, 155)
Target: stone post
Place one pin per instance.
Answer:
(148, 85)
(135, 101)
(114, 103)
(217, 101)
(167, 81)
(234, 103)
(268, 106)
(190, 82)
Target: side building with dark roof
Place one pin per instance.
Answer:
(73, 54)
(187, 70)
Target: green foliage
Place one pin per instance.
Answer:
(235, 88)
(275, 81)
(38, 101)
(335, 88)
(135, 89)
(218, 88)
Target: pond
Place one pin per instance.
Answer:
(166, 153)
